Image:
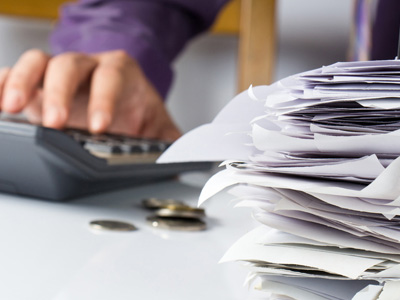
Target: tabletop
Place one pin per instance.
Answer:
(49, 251)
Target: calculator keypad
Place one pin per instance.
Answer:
(119, 148)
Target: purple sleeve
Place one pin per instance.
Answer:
(385, 30)
(151, 31)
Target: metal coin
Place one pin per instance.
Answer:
(112, 225)
(182, 224)
(181, 212)
(154, 203)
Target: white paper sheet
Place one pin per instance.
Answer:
(226, 137)
(317, 156)
(328, 289)
(331, 262)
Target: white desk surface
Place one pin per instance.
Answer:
(48, 250)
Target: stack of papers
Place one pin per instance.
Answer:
(322, 173)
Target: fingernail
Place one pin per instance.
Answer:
(13, 101)
(54, 116)
(99, 121)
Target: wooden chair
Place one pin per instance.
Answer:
(31, 8)
(252, 20)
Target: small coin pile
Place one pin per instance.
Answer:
(174, 215)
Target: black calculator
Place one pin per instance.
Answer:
(45, 163)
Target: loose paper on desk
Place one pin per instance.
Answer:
(226, 137)
(321, 170)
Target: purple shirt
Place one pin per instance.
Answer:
(376, 30)
(151, 31)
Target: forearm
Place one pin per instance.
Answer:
(152, 31)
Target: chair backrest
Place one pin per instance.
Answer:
(31, 8)
(252, 20)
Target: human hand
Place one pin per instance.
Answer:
(105, 92)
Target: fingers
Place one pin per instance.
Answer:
(116, 86)
(170, 133)
(3, 76)
(23, 80)
(65, 73)
(33, 110)
(107, 88)
(161, 126)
